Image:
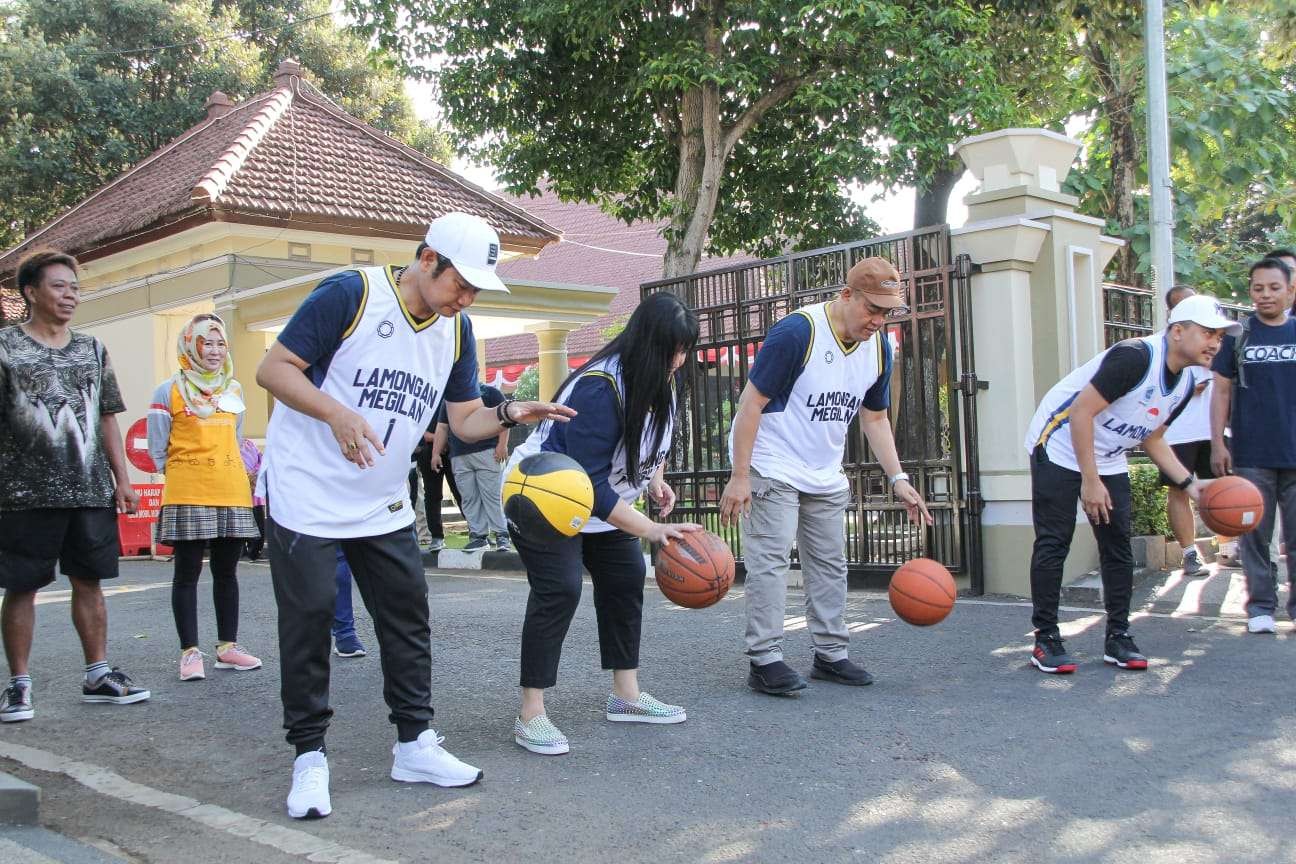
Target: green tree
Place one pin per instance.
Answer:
(367, 82)
(1030, 51)
(742, 123)
(1230, 106)
(88, 88)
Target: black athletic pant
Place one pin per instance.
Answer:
(432, 493)
(1054, 493)
(616, 566)
(225, 553)
(388, 570)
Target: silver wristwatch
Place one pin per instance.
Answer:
(896, 478)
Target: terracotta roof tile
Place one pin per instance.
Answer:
(596, 249)
(288, 154)
(12, 306)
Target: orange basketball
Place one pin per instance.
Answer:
(1231, 506)
(696, 570)
(922, 592)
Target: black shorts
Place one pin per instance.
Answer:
(83, 541)
(1195, 456)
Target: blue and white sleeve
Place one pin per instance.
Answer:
(325, 317)
(878, 397)
(592, 436)
(780, 359)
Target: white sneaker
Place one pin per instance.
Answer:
(426, 761)
(309, 798)
(1260, 624)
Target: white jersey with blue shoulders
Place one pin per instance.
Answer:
(368, 352)
(816, 385)
(596, 439)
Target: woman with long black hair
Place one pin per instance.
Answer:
(625, 403)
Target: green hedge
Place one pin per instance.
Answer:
(1149, 502)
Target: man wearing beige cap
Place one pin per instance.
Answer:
(817, 369)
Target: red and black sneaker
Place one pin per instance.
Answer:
(1122, 653)
(1050, 656)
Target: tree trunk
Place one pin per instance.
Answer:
(1118, 109)
(931, 205)
(1124, 162)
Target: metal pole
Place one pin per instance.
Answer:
(1158, 150)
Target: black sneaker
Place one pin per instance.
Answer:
(776, 679)
(115, 687)
(1050, 656)
(1122, 653)
(841, 671)
(477, 544)
(16, 704)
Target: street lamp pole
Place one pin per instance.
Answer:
(1158, 156)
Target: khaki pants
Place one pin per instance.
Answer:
(779, 515)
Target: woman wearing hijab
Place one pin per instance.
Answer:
(194, 425)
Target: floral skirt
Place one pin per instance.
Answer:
(180, 522)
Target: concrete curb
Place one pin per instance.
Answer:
(19, 801)
(1087, 590)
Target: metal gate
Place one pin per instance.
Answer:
(933, 397)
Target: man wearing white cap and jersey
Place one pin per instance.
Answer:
(816, 369)
(1078, 439)
(358, 372)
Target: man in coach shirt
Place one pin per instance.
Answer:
(1254, 398)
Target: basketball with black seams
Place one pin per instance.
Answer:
(922, 592)
(1231, 506)
(696, 570)
(547, 496)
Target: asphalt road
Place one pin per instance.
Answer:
(960, 752)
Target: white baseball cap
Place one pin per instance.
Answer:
(1206, 311)
(472, 246)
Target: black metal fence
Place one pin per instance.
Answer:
(1128, 312)
(933, 393)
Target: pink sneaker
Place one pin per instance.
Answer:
(191, 665)
(234, 657)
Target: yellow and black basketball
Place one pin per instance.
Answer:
(548, 496)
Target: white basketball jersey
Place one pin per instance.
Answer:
(628, 489)
(1193, 424)
(1119, 427)
(391, 370)
(803, 444)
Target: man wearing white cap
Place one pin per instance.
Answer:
(1124, 397)
(358, 372)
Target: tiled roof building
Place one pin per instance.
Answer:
(289, 154)
(596, 249)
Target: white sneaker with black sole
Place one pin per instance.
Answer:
(426, 761)
(309, 796)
